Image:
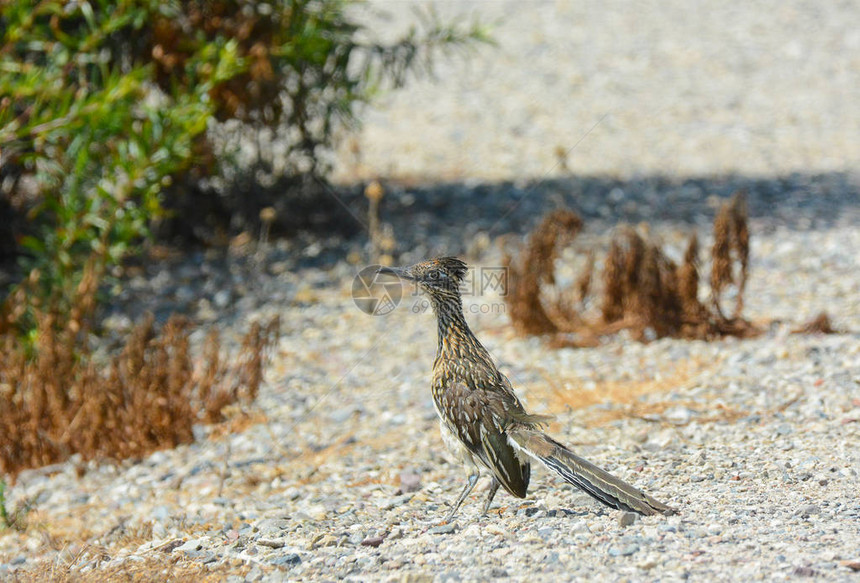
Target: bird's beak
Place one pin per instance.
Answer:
(400, 272)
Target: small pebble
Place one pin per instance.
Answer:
(627, 518)
(443, 529)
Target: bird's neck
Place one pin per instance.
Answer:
(456, 339)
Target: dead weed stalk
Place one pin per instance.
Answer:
(640, 289)
(59, 399)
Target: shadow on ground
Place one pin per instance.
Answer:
(445, 217)
(327, 223)
(457, 211)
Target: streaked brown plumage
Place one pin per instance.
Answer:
(482, 420)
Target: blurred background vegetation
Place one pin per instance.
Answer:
(120, 120)
(107, 109)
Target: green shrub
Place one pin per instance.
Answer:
(106, 103)
(15, 519)
(85, 130)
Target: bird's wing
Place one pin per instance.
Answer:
(506, 400)
(479, 419)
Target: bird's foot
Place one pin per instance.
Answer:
(447, 520)
(496, 511)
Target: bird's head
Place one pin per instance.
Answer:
(440, 277)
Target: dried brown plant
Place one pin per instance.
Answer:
(613, 283)
(583, 282)
(62, 399)
(730, 253)
(688, 281)
(642, 291)
(820, 324)
(536, 267)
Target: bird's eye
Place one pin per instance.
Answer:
(433, 274)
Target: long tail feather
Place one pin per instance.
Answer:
(583, 474)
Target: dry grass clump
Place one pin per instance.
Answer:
(640, 288)
(820, 324)
(730, 254)
(154, 566)
(60, 399)
(534, 268)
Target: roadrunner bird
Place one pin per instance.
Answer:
(483, 422)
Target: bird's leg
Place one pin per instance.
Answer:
(494, 487)
(473, 479)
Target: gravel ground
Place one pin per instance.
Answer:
(677, 88)
(338, 471)
(345, 476)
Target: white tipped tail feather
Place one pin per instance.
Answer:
(583, 474)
